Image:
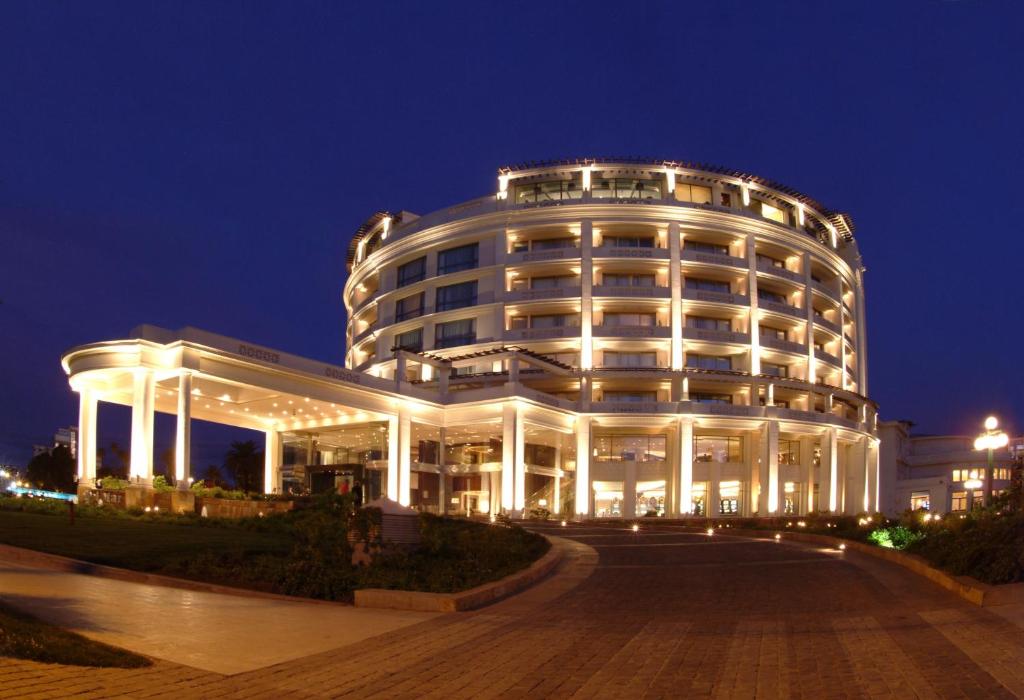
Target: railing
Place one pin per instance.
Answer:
(825, 289)
(542, 333)
(633, 406)
(713, 258)
(541, 255)
(548, 293)
(825, 323)
(723, 409)
(784, 345)
(797, 311)
(633, 331)
(715, 335)
(616, 252)
(608, 290)
(716, 297)
(826, 357)
(365, 333)
(370, 296)
(783, 272)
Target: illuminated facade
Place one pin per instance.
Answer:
(598, 338)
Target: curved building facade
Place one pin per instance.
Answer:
(599, 338)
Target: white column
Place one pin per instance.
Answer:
(755, 332)
(86, 436)
(809, 313)
(520, 461)
(586, 294)
(675, 281)
(556, 495)
(143, 390)
(807, 460)
(685, 466)
(183, 434)
(442, 480)
(861, 335)
(842, 335)
(404, 465)
(829, 491)
(508, 456)
(771, 457)
(271, 462)
(393, 452)
(583, 465)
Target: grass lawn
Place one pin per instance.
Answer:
(133, 544)
(24, 637)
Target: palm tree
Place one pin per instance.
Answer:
(244, 462)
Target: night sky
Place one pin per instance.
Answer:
(206, 164)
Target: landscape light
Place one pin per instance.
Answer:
(636, 528)
(711, 531)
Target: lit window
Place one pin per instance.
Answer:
(959, 501)
(465, 257)
(412, 271)
(630, 359)
(773, 213)
(708, 323)
(789, 452)
(714, 362)
(712, 448)
(693, 193)
(920, 500)
(410, 340)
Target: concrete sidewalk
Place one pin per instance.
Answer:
(211, 631)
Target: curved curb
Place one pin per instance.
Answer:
(970, 589)
(478, 597)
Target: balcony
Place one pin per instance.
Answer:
(715, 297)
(602, 290)
(722, 409)
(784, 345)
(823, 322)
(632, 406)
(786, 309)
(828, 290)
(365, 333)
(633, 331)
(786, 274)
(543, 255)
(614, 252)
(548, 293)
(826, 357)
(713, 258)
(718, 336)
(542, 333)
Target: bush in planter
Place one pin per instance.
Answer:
(987, 546)
(897, 537)
(112, 483)
(160, 484)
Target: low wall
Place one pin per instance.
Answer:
(230, 508)
(181, 501)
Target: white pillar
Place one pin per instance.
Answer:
(520, 461)
(393, 451)
(442, 485)
(807, 460)
(508, 456)
(86, 436)
(755, 332)
(271, 462)
(183, 435)
(675, 281)
(583, 465)
(861, 335)
(586, 294)
(685, 466)
(556, 495)
(771, 456)
(143, 390)
(809, 316)
(404, 464)
(829, 490)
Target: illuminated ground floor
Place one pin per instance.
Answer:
(488, 449)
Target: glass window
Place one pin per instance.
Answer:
(554, 320)
(729, 497)
(708, 361)
(774, 297)
(409, 307)
(701, 247)
(707, 285)
(703, 397)
(956, 475)
(629, 448)
(693, 193)
(553, 243)
(628, 241)
(456, 296)
(771, 332)
(410, 340)
(773, 213)
(920, 500)
(455, 333)
(619, 279)
(412, 272)
(774, 370)
(631, 396)
(713, 448)
(625, 188)
(630, 359)
(770, 261)
(553, 191)
(628, 319)
(650, 498)
(708, 323)
(959, 501)
(465, 257)
(552, 282)
(789, 452)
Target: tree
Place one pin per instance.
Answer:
(54, 470)
(119, 471)
(213, 476)
(244, 462)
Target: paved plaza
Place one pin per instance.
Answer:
(658, 614)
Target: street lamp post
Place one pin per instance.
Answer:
(992, 439)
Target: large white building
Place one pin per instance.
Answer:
(601, 337)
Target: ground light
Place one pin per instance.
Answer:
(711, 531)
(778, 537)
(842, 546)
(564, 523)
(636, 528)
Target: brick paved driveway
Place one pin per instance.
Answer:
(659, 614)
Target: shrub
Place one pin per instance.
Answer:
(987, 546)
(112, 483)
(896, 537)
(160, 484)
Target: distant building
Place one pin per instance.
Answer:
(64, 437)
(939, 473)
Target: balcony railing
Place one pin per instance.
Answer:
(633, 331)
(615, 252)
(714, 335)
(713, 258)
(364, 333)
(546, 293)
(716, 297)
(826, 357)
(633, 406)
(609, 290)
(825, 323)
(780, 344)
(828, 290)
(542, 255)
(796, 311)
(782, 272)
(542, 333)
